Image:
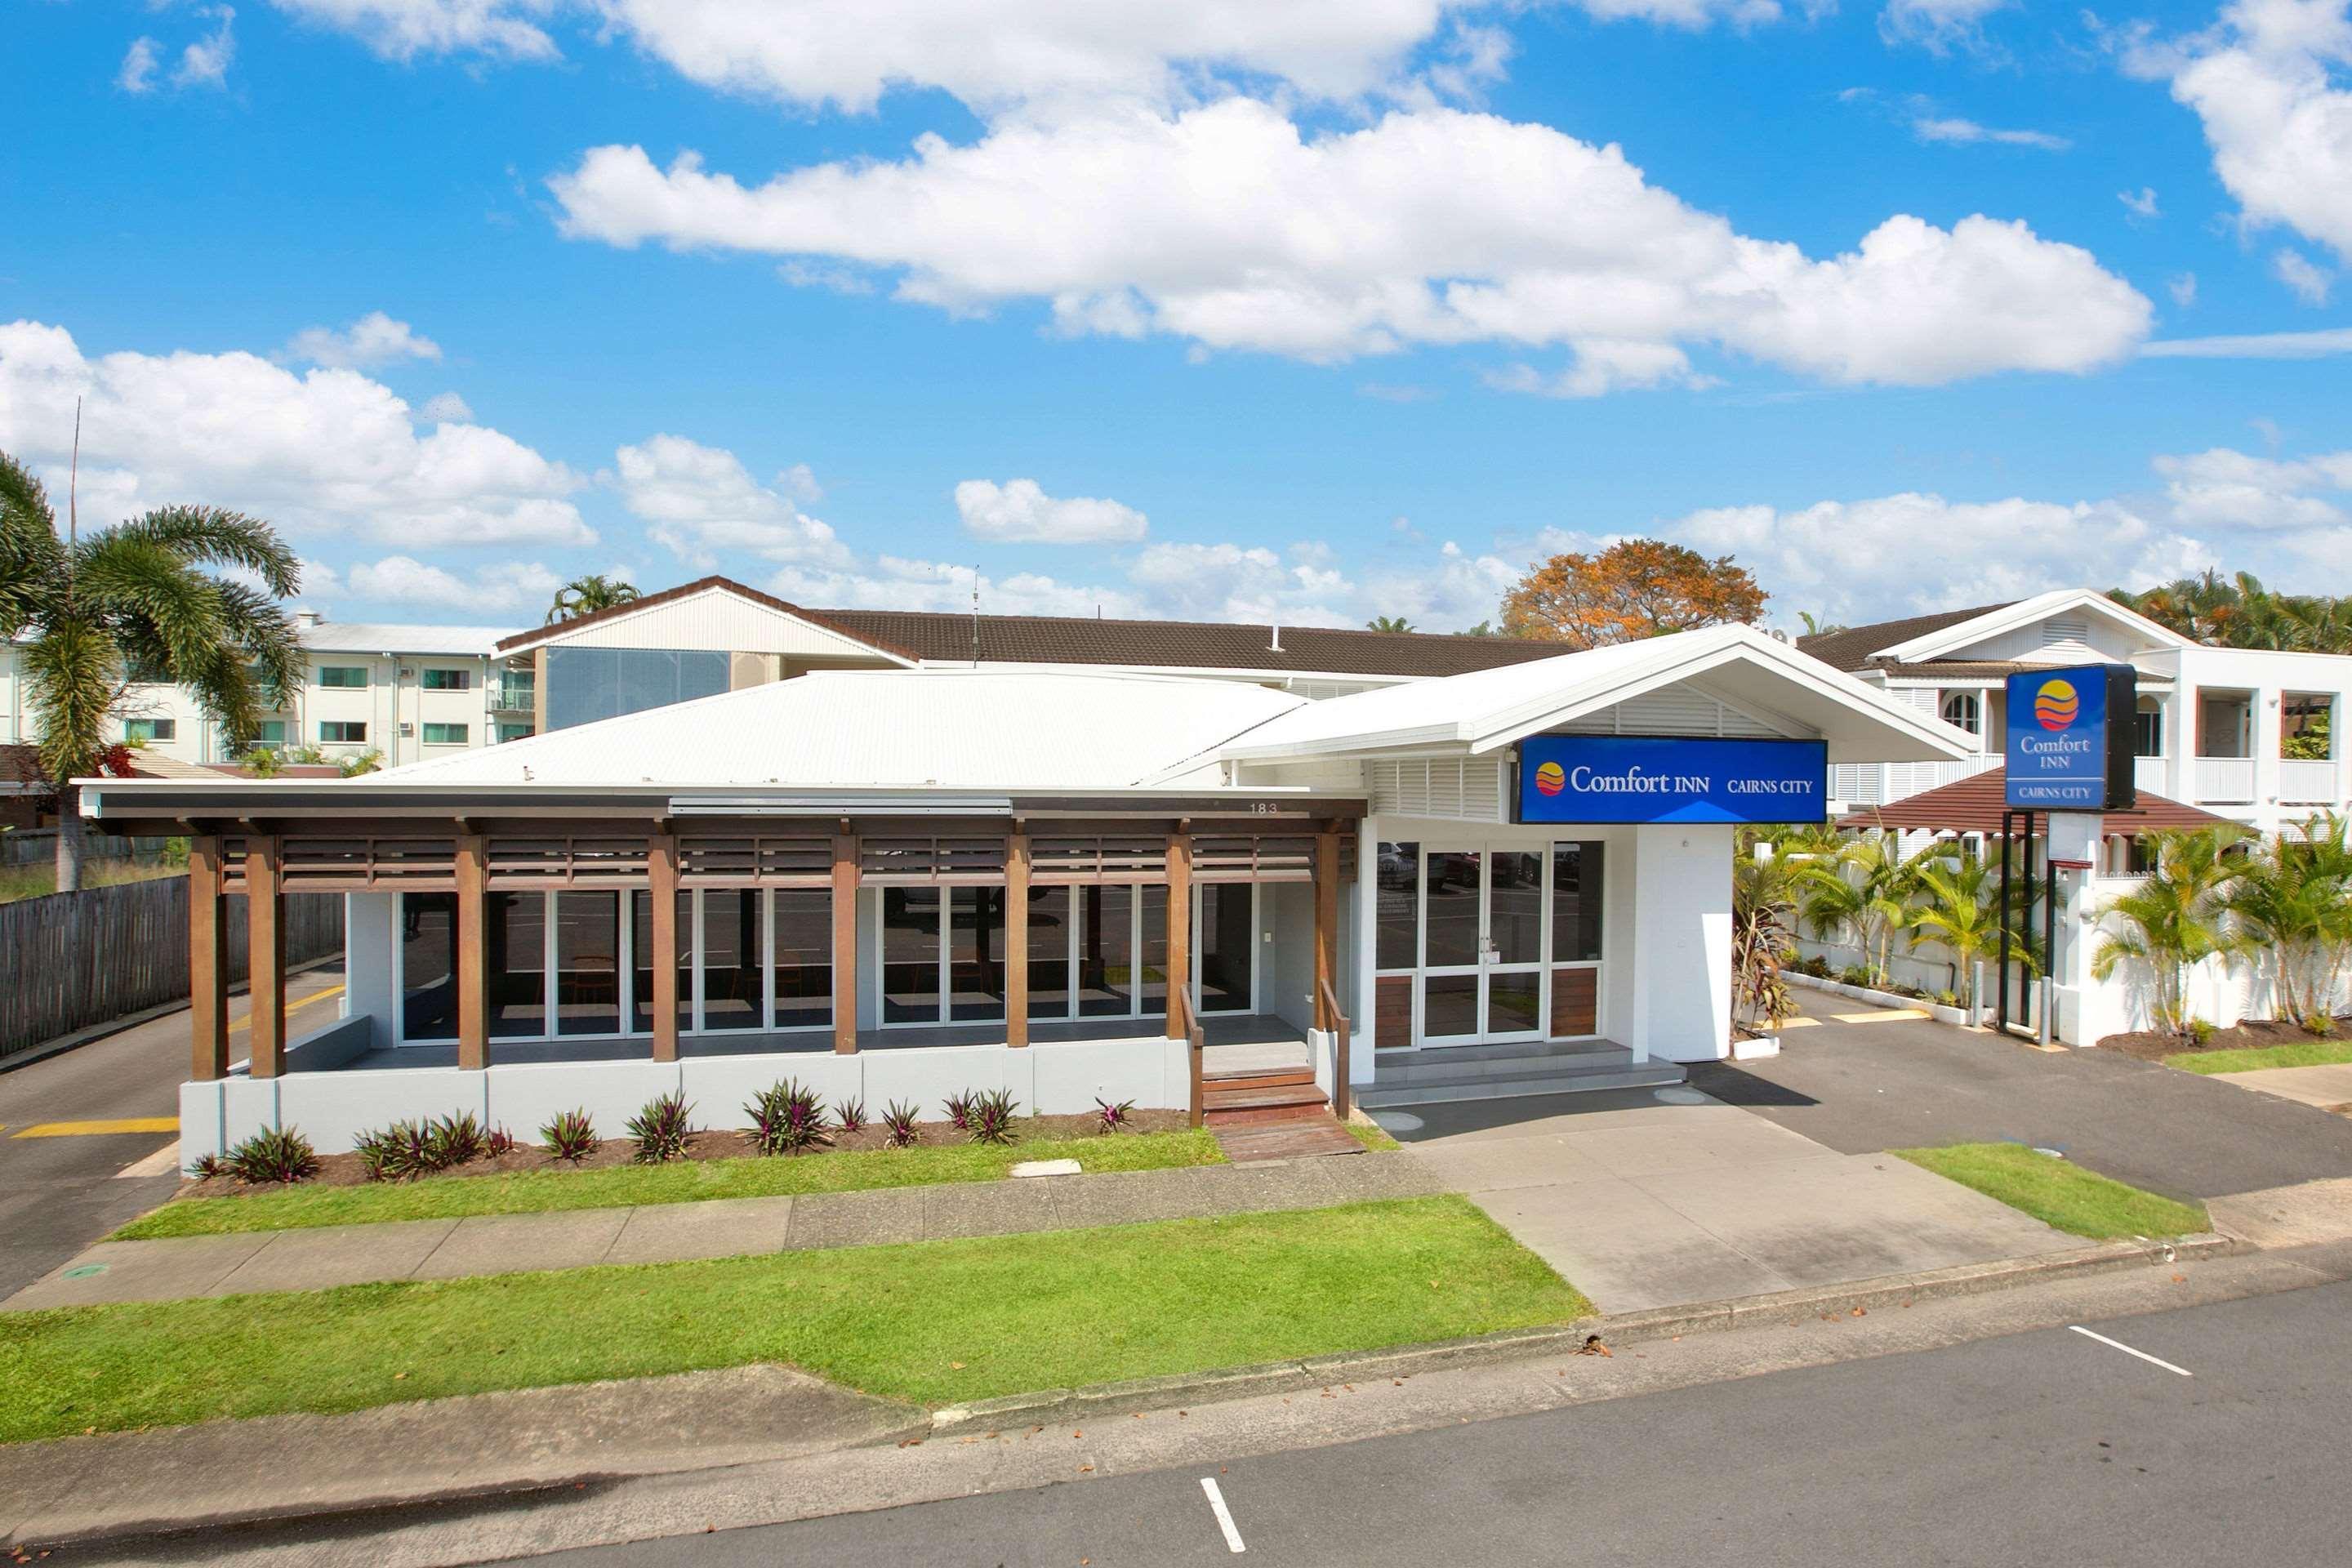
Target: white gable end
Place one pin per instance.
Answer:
(716, 618)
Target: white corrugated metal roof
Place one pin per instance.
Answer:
(362, 636)
(1491, 708)
(943, 729)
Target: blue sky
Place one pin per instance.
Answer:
(1220, 309)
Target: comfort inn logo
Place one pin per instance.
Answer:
(1550, 779)
(2055, 705)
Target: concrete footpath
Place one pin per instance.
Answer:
(328, 1256)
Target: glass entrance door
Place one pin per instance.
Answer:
(1482, 959)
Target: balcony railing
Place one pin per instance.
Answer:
(2307, 782)
(2227, 780)
(1881, 783)
(2149, 773)
(514, 696)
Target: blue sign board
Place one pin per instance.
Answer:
(2065, 750)
(1642, 778)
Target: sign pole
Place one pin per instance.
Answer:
(2000, 989)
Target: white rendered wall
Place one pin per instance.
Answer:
(372, 962)
(1680, 958)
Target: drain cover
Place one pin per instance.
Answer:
(85, 1271)
(1396, 1120)
(1680, 1096)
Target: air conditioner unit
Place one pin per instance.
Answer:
(406, 673)
(408, 729)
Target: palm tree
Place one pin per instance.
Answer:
(1955, 903)
(1862, 889)
(2175, 918)
(1387, 623)
(586, 595)
(133, 597)
(1818, 626)
(2295, 898)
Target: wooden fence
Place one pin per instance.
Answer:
(72, 960)
(38, 847)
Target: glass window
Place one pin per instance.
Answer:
(1449, 1006)
(270, 732)
(516, 931)
(1515, 1002)
(514, 732)
(587, 964)
(1228, 946)
(1961, 712)
(1049, 951)
(1399, 894)
(447, 734)
(428, 966)
(150, 729)
(1151, 952)
(1515, 916)
(803, 976)
(344, 731)
(1576, 900)
(1105, 952)
(1450, 894)
(732, 950)
(585, 684)
(910, 955)
(445, 679)
(641, 938)
(342, 677)
(976, 953)
(2147, 731)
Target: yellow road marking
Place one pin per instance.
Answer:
(1801, 1023)
(1883, 1016)
(89, 1129)
(292, 1007)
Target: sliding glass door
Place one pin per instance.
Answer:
(1479, 942)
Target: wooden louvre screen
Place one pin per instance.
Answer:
(1253, 857)
(1064, 860)
(568, 862)
(762, 862)
(232, 870)
(1575, 1003)
(368, 864)
(899, 862)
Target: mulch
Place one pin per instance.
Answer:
(2154, 1046)
(348, 1171)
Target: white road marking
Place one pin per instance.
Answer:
(164, 1162)
(1224, 1515)
(2118, 1344)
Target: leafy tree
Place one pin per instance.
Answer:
(1956, 903)
(1636, 588)
(2294, 897)
(2175, 918)
(2238, 611)
(134, 597)
(1387, 623)
(1863, 888)
(1817, 627)
(586, 595)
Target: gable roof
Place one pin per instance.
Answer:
(1975, 804)
(1851, 648)
(1936, 642)
(532, 638)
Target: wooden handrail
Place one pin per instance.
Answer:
(1331, 1010)
(1179, 1008)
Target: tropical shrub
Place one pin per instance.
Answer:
(454, 1140)
(786, 1119)
(2201, 1030)
(850, 1115)
(1862, 891)
(499, 1142)
(958, 1110)
(2319, 1025)
(899, 1123)
(400, 1153)
(1855, 974)
(1112, 1118)
(206, 1168)
(2176, 918)
(2294, 896)
(661, 1128)
(992, 1117)
(1763, 892)
(571, 1136)
(276, 1155)
(1958, 905)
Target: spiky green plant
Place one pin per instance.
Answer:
(1764, 890)
(136, 597)
(2175, 918)
(586, 595)
(2294, 898)
(1955, 903)
(1864, 891)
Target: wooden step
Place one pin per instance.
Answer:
(1274, 1077)
(1220, 1098)
(1316, 1136)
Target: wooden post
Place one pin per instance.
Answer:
(1017, 939)
(1179, 930)
(1327, 924)
(661, 872)
(473, 867)
(845, 942)
(265, 905)
(208, 962)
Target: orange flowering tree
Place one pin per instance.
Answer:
(1636, 588)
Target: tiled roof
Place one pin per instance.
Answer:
(20, 768)
(1974, 804)
(1851, 649)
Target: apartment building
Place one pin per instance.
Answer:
(2249, 734)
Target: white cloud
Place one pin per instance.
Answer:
(2309, 282)
(488, 589)
(1018, 511)
(1227, 227)
(1244, 582)
(139, 67)
(700, 501)
(447, 408)
(2256, 345)
(2227, 489)
(1603, 365)
(405, 29)
(375, 338)
(1940, 26)
(893, 582)
(2183, 289)
(328, 450)
(1961, 133)
(2141, 204)
(206, 62)
(2263, 82)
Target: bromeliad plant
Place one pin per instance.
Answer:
(454, 1140)
(898, 1123)
(572, 1136)
(850, 1116)
(276, 1155)
(661, 1128)
(787, 1119)
(1109, 1117)
(992, 1117)
(958, 1110)
(400, 1153)
(498, 1142)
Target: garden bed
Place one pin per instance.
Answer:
(1936, 1010)
(2270, 1036)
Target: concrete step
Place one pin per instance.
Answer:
(1483, 1086)
(1449, 1065)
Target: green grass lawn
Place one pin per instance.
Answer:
(935, 1323)
(687, 1181)
(1375, 1139)
(2294, 1054)
(2059, 1192)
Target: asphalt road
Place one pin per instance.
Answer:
(58, 1194)
(2049, 1446)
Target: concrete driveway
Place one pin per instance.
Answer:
(1644, 1203)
